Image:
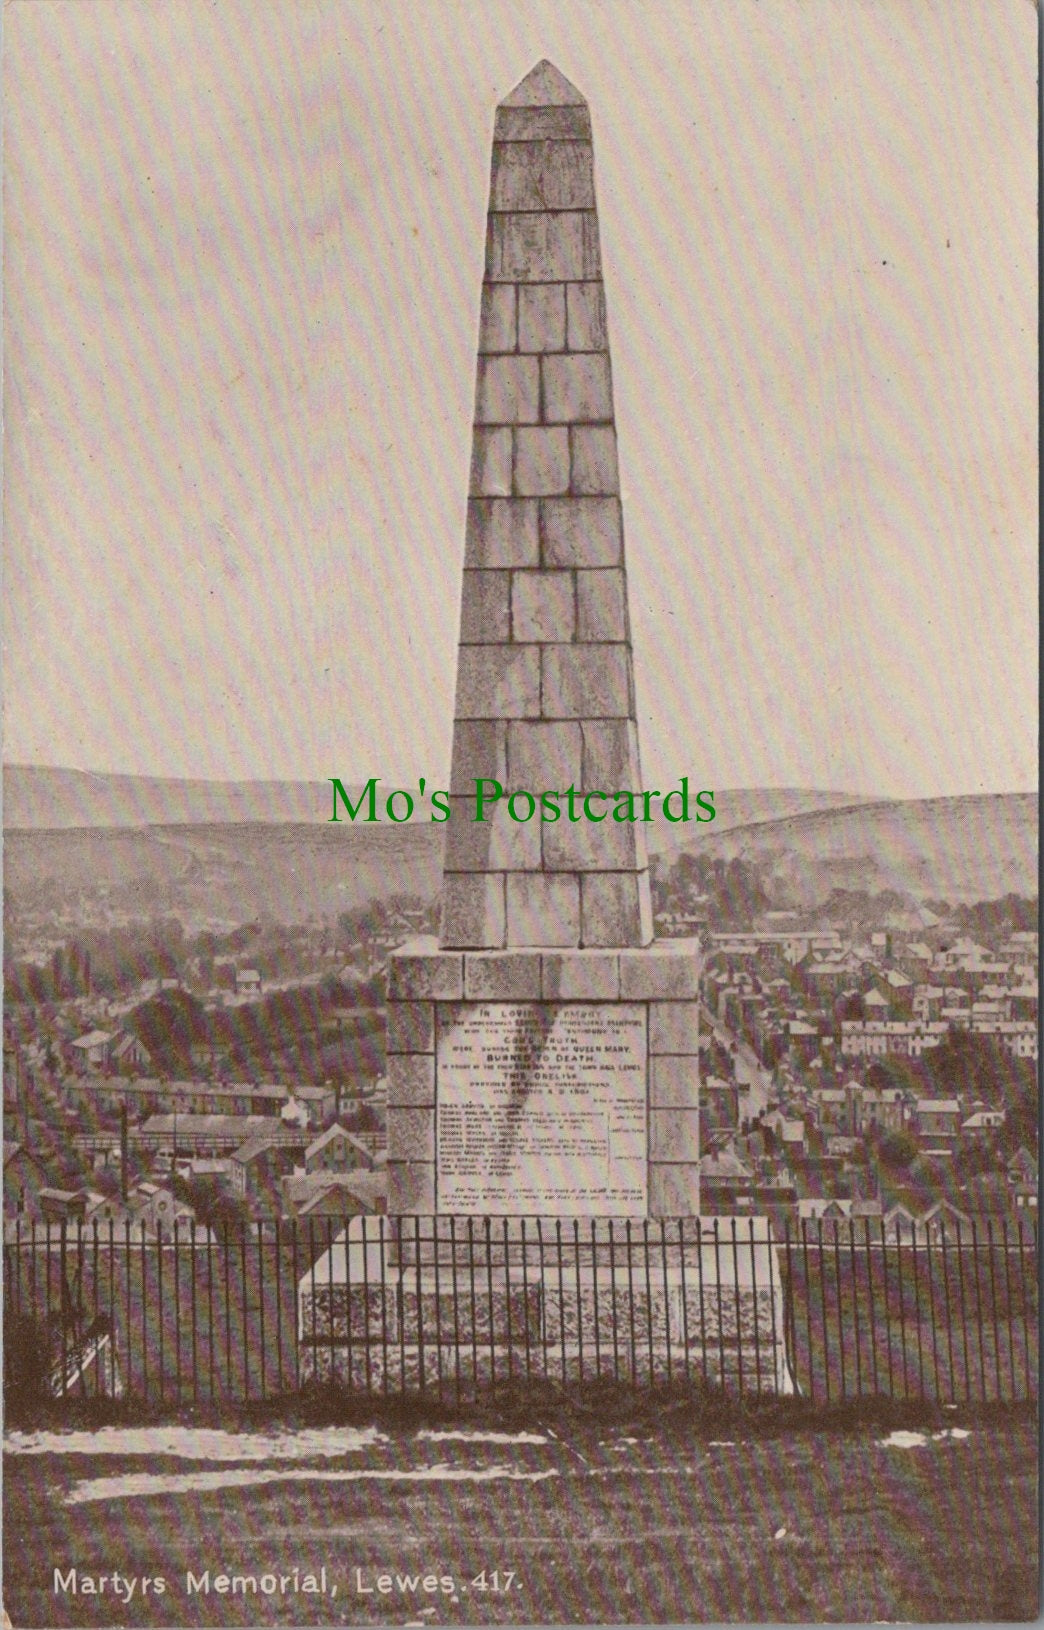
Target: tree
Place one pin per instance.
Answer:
(170, 1025)
(364, 1119)
(212, 1205)
(967, 1065)
(898, 1150)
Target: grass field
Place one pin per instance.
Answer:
(597, 1520)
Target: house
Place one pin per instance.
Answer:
(210, 1135)
(901, 1224)
(982, 1124)
(729, 1188)
(309, 1106)
(110, 1209)
(719, 1106)
(834, 1109)
(937, 1118)
(927, 1001)
(89, 1054)
(855, 1220)
(336, 1150)
(943, 1220)
(790, 1134)
(24, 1178)
(334, 1194)
(256, 1170)
(248, 982)
(1022, 1178)
(153, 1207)
(128, 1052)
(1022, 1168)
(819, 1208)
(68, 1205)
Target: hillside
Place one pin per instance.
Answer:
(39, 796)
(219, 873)
(804, 844)
(956, 849)
(48, 796)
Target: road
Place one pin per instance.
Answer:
(752, 1077)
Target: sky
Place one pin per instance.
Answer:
(243, 254)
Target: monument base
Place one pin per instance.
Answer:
(552, 1083)
(703, 1304)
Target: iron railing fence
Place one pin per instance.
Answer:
(446, 1306)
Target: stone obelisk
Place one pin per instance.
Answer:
(542, 1055)
(545, 687)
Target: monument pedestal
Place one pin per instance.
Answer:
(406, 1304)
(559, 1084)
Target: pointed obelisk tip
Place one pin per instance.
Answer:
(544, 87)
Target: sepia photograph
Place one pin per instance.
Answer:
(520, 812)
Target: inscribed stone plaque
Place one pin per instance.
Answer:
(541, 1108)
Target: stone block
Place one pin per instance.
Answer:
(667, 971)
(542, 175)
(645, 907)
(543, 607)
(543, 87)
(497, 844)
(507, 977)
(611, 912)
(572, 123)
(674, 1191)
(500, 681)
(576, 388)
(584, 682)
(543, 756)
(674, 1027)
(411, 1080)
(541, 462)
(589, 846)
(601, 605)
(420, 972)
(674, 1135)
(485, 602)
(411, 1188)
(491, 462)
(580, 532)
(411, 1027)
(543, 910)
(479, 754)
(502, 532)
(497, 321)
(610, 756)
(580, 976)
(586, 328)
(411, 1134)
(542, 248)
(472, 909)
(674, 1082)
(507, 391)
(541, 317)
(595, 468)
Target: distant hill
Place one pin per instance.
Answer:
(219, 873)
(128, 845)
(43, 795)
(51, 797)
(956, 849)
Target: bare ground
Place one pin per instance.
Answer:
(595, 1523)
